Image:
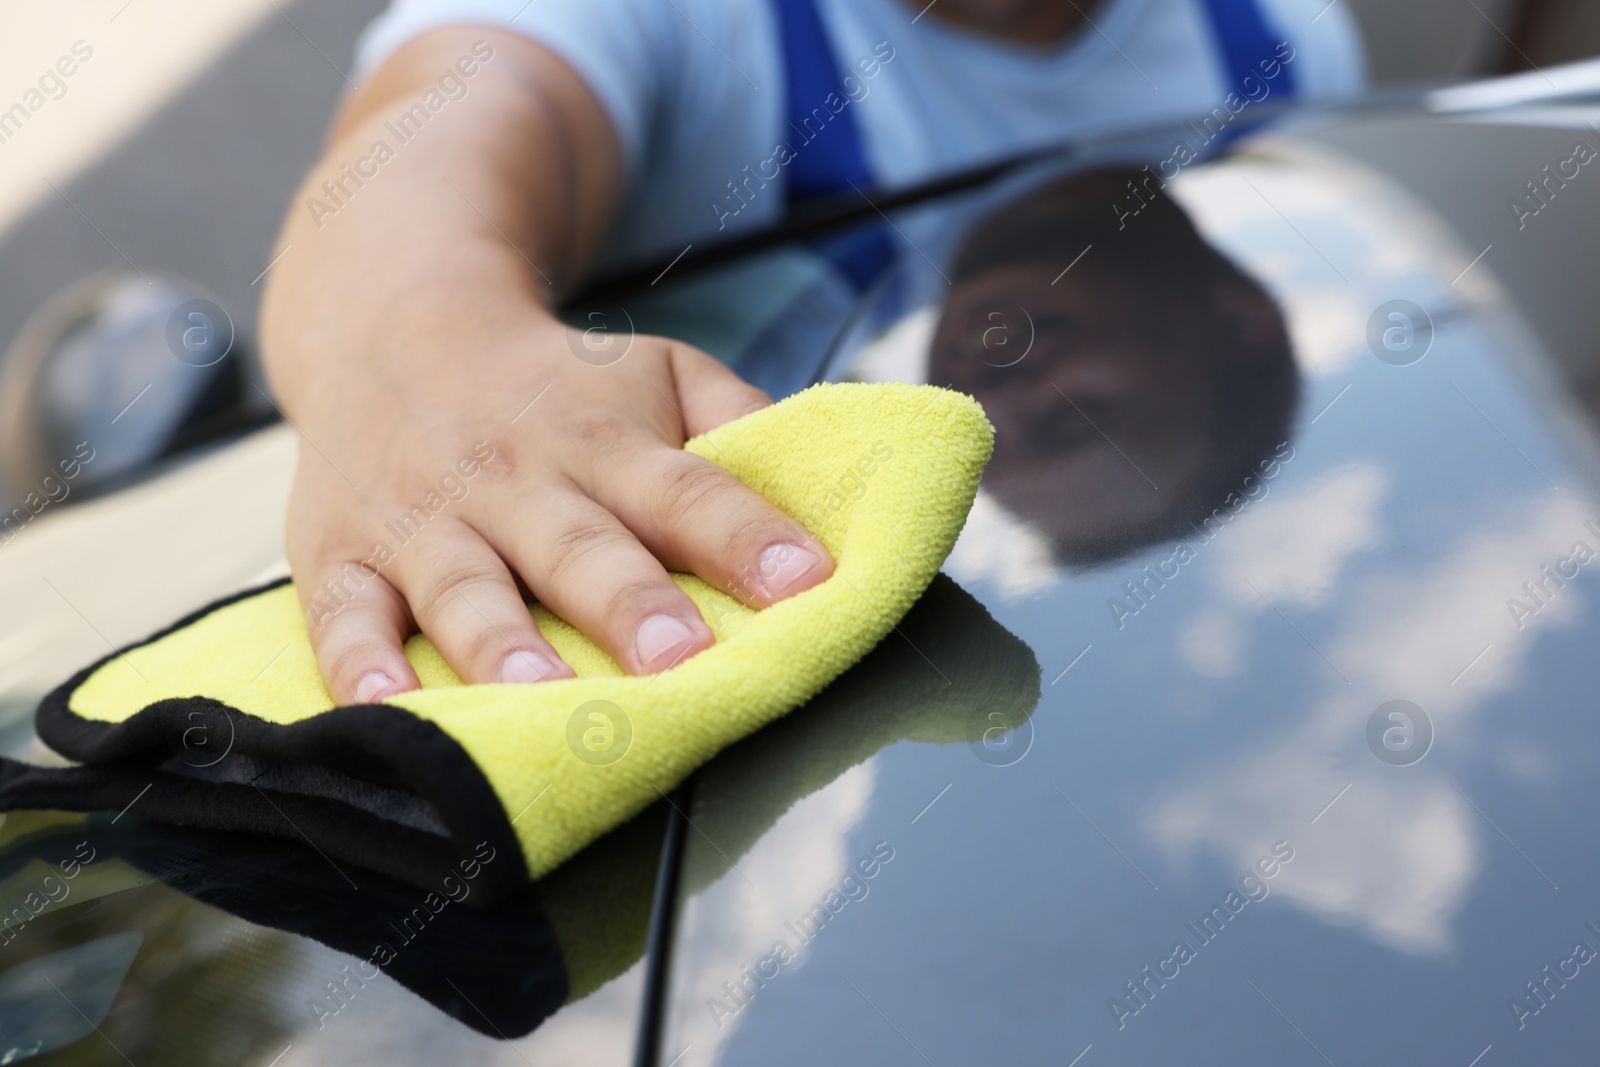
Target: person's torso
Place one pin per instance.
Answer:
(922, 98)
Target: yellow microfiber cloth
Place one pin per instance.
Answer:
(950, 676)
(223, 721)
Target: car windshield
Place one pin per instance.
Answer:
(1250, 702)
(1296, 519)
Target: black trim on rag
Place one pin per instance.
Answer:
(333, 779)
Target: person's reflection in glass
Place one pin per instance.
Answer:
(1159, 381)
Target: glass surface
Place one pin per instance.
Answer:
(1249, 646)
(182, 948)
(1300, 531)
(167, 946)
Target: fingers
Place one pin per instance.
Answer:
(696, 517)
(466, 602)
(357, 624)
(585, 566)
(592, 552)
(709, 394)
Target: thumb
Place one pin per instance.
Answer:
(709, 394)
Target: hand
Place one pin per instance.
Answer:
(425, 495)
(454, 443)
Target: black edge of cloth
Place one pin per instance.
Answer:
(497, 969)
(372, 744)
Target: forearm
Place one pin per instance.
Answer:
(418, 234)
(408, 323)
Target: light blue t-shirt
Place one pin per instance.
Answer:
(695, 88)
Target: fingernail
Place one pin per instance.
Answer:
(660, 639)
(525, 666)
(783, 564)
(371, 685)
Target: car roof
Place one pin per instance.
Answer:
(989, 839)
(1320, 758)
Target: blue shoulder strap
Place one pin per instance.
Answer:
(1246, 41)
(829, 155)
(828, 149)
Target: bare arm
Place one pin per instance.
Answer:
(407, 329)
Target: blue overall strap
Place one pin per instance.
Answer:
(1247, 40)
(828, 151)
(829, 157)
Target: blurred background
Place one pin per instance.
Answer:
(175, 148)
